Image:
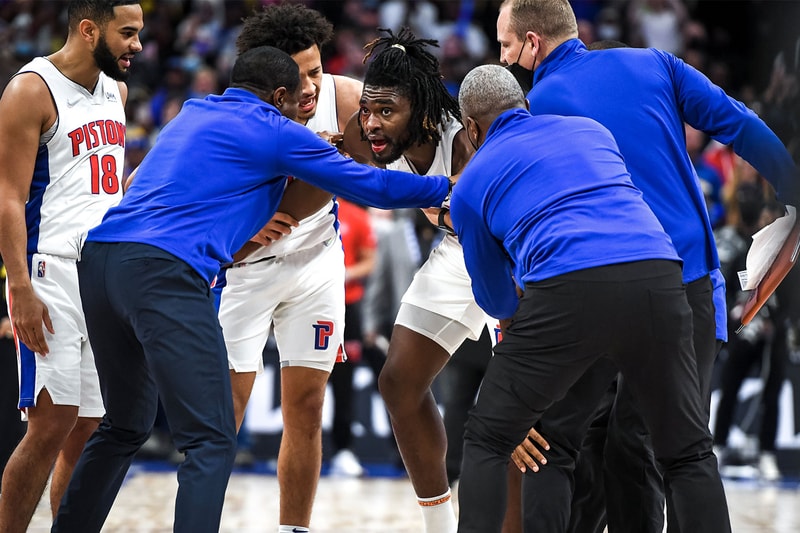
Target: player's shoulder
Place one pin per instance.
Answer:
(28, 93)
(462, 151)
(346, 84)
(27, 82)
(348, 90)
(348, 95)
(123, 91)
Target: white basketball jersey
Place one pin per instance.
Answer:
(443, 156)
(79, 163)
(442, 159)
(323, 224)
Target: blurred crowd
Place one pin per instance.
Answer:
(747, 47)
(750, 48)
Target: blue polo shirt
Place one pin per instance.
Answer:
(644, 96)
(545, 196)
(217, 173)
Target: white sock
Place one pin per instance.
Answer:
(438, 514)
(293, 529)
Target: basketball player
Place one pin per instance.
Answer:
(294, 284)
(62, 141)
(411, 122)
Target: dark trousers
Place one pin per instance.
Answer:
(547, 494)
(619, 457)
(154, 331)
(588, 513)
(636, 315)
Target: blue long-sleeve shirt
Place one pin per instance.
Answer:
(643, 96)
(217, 173)
(545, 196)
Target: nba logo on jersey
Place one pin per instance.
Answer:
(323, 330)
(498, 334)
(40, 269)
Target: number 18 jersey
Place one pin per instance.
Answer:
(79, 163)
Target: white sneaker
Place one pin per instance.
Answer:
(768, 467)
(345, 464)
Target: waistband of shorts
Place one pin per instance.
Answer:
(322, 244)
(248, 263)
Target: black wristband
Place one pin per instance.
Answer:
(446, 200)
(442, 225)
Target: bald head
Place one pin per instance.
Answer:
(487, 91)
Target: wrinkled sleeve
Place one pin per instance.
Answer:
(708, 108)
(486, 259)
(307, 157)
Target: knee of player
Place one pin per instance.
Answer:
(306, 411)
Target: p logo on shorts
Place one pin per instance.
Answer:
(323, 330)
(498, 334)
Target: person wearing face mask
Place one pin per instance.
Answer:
(524, 76)
(579, 270)
(639, 94)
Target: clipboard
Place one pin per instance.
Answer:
(780, 267)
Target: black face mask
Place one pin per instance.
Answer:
(523, 76)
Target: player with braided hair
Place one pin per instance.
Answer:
(401, 61)
(409, 121)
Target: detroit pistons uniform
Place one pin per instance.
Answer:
(439, 303)
(295, 285)
(76, 180)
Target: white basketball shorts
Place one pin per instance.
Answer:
(67, 372)
(300, 295)
(439, 303)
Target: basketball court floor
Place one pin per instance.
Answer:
(375, 503)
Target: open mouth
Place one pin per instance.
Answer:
(378, 145)
(125, 61)
(307, 106)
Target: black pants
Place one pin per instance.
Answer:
(620, 458)
(154, 331)
(588, 513)
(636, 315)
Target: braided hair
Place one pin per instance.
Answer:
(402, 62)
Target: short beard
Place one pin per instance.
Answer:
(396, 153)
(106, 62)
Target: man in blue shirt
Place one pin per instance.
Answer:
(561, 222)
(643, 97)
(212, 180)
